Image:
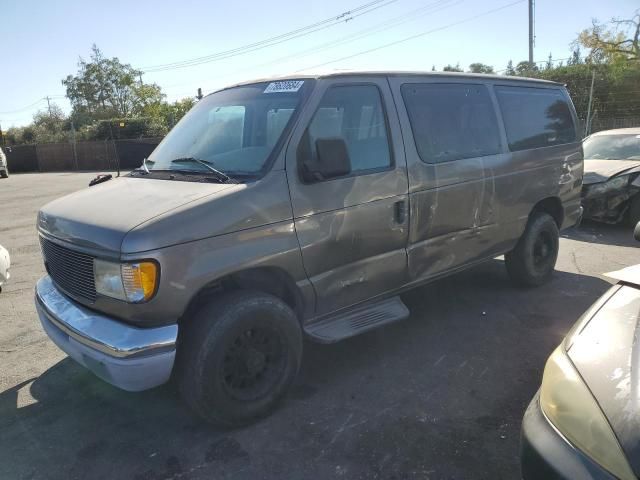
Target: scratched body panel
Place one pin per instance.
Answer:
(353, 248)
(471, 209)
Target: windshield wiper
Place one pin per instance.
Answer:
(223, 177)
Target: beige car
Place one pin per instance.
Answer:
(4, 168)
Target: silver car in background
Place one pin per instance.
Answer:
(611, 185)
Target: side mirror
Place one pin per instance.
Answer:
(636, 232)
(332, 160)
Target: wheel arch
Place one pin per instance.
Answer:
(551, 206)
(272, 280)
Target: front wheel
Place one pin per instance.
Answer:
(4, 173)
(532, 261)
(238, 357)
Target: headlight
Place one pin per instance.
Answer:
(131, 282)
(569, 405)
(606, 187)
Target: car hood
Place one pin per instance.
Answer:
(99, 217)
(596, 171)
(606, 352)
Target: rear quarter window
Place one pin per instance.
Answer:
(451, 121)
(535, 117)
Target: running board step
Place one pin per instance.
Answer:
(357, 320)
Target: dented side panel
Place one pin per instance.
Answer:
(352, 239)
(467, 210)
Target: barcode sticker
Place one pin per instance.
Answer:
(284, 86)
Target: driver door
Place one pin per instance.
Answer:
(352, 228)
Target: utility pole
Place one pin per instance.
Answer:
(587, 127)
(140, 74)
(48, 104)
(531, 36)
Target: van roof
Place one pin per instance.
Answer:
(399, 73)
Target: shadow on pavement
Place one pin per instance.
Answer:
(439, 395)
(592, 232)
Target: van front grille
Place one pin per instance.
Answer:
(72, 271)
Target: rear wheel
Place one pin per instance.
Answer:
(238, 357)
(532, 261)
(4, 173)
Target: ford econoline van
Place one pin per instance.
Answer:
(302, 207)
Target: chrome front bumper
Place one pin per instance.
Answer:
(128, 357)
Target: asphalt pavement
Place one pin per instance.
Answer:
(438, 396)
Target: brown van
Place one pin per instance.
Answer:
(286, 208)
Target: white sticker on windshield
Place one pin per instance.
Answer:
(284, 86)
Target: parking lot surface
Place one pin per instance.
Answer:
(440, 395)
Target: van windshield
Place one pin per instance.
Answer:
(234, 131)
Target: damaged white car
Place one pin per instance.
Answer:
(611, 185)
(5, 263)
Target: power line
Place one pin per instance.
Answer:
(24, 108)
(285, 37)
(31, 105)
(382, 26)
(413, 37)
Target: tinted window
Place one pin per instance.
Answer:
(451, 121)
(535, 117)
(355, 114)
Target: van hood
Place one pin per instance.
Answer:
(99, 217)
(596, 171)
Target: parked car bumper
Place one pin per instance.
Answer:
(128, 357)
(545, 453)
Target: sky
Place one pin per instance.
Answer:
(43, 40)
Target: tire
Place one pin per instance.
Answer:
(4, 173)
(633, 215)
(532, 261)
(238, 357)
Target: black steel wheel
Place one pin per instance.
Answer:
(532, 261)
(238, 356)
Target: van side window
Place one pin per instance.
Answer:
(451, 121)
(355, 114)
(535, 117)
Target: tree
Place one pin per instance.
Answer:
(50, 126)
(510, 70)
(451, 68)
(575, 58)
(177, 110)
(480, 68)
(526, 69)
(549, 64)
(619, 39)
(106, 88)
